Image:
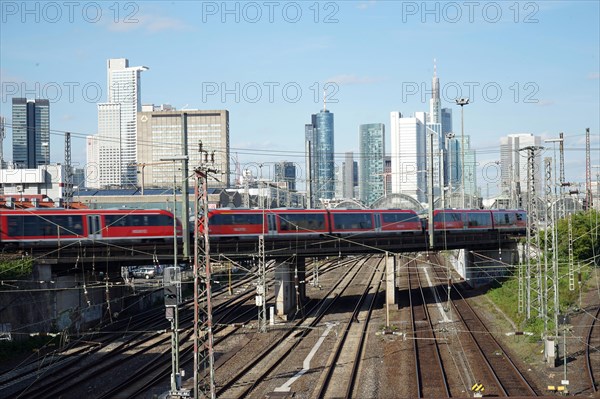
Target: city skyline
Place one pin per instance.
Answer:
(549, 96)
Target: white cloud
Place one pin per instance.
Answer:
(594, 76)
(545, 103)
(150, 23)
(363, 5)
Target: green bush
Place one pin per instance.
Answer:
(16, 269)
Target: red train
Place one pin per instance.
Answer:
(480, 219)
(27, 227)
(249, 223)
(39, 226)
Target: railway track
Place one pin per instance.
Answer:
(431, 378)
(344, 364)
(262, 365)
(127, 338)
(86, 365)
(498, 373)
(592, 353)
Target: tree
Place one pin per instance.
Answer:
(586, 236)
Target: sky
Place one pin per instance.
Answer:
(527, 67)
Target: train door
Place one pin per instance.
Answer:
(377, 217)
(272, 224)
(94, 227)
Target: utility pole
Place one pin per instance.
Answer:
(462, 102)
(562, 182)
(430, 191)
(532, 232)
(588, 172)
(203, 328)
(68, 192)
(185, 209)
(261, 288)
(547, 198)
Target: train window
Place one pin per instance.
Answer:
(51, 225)
(235, 219)
(293, 221)
(504, 218)
(399, 217)
(345, 221)
(478, 219)
(115, 220)
(447, 217)
(521, 216)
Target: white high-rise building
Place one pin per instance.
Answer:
(116, 154)
(513, 163)
(408, 153)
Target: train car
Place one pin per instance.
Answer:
(238, 223)
(466, 219)
(49, 226)
(250, 223)
(303, 222)
(352, 221)
(398, 221)
(510, 220)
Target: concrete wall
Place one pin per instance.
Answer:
(482, 267)
(64, 304)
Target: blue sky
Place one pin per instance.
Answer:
(527, 66)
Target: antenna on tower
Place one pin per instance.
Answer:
(324, 99)
(434, 68)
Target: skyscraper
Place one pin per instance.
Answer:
(286, 172)
(160, 135)
(513, 163)
(117, 125)
(372, 162)
(409, 164)
(435, 104)
(470, 171)
(348, 176)
(320, 165)
(31, 132)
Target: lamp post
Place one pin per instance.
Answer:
(462, 102)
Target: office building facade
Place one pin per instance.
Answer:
(31, 132)
(372, 162)
(408, 155)
(514, 165)
(160, 136)
(286, 172)
(117, 126)
(319, 135)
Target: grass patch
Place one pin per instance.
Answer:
(505, 296)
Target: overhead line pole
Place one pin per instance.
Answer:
(202, 261)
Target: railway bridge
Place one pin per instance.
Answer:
(484, 248)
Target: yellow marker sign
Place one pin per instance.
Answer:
(477, 388)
